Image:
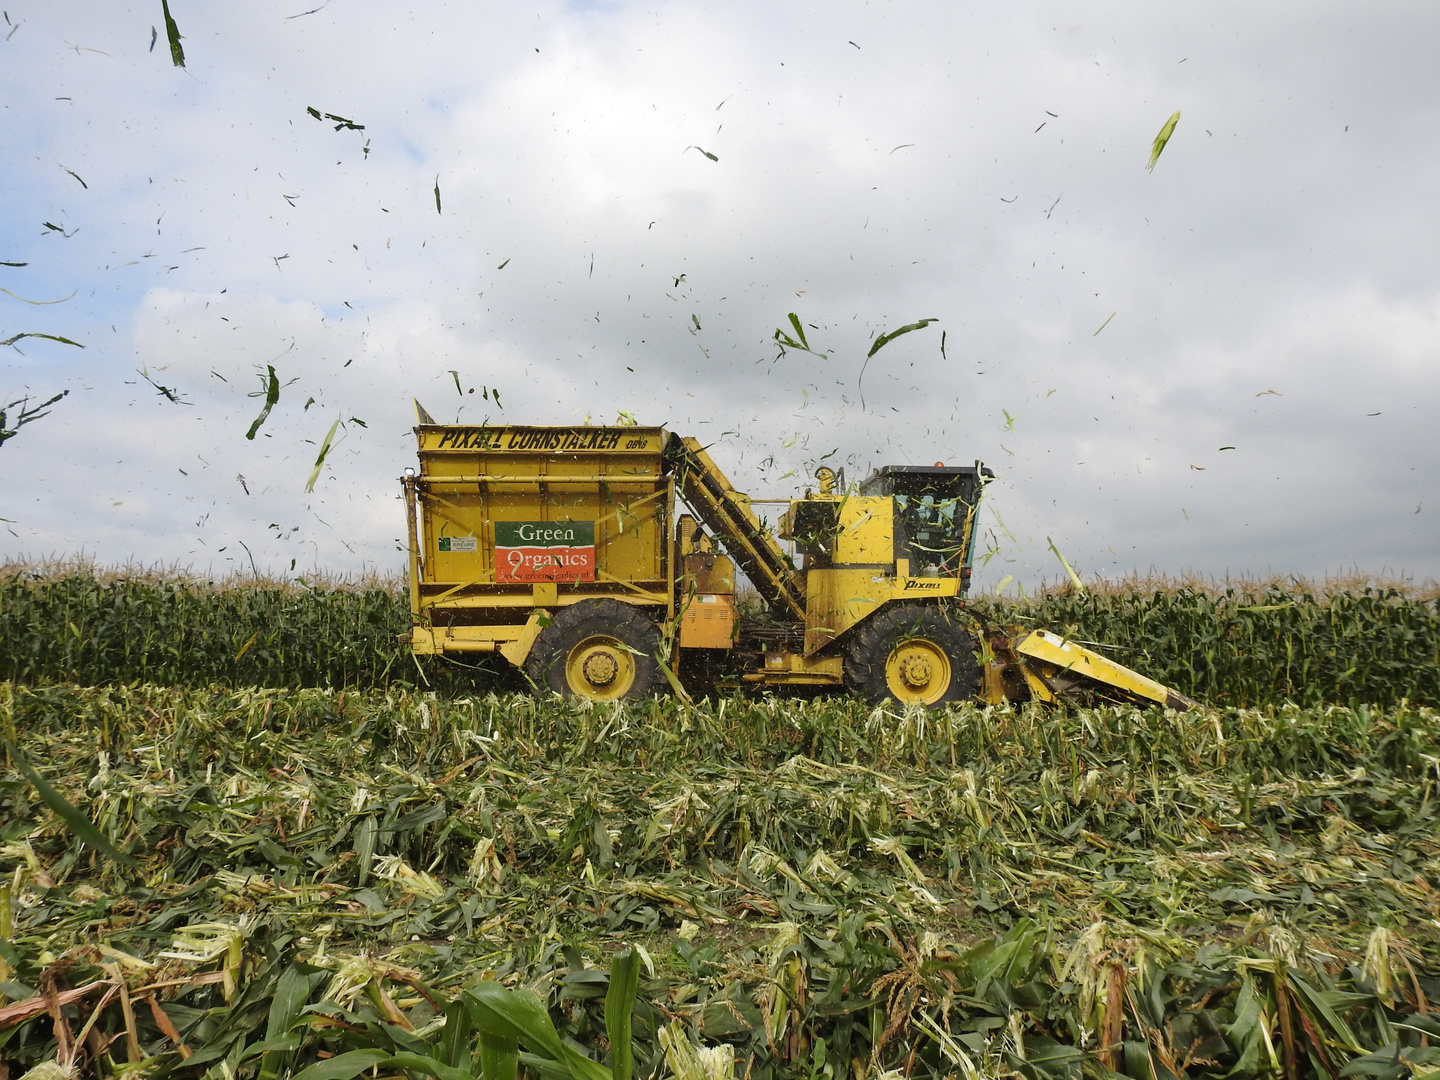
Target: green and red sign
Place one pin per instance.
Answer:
(528, 551)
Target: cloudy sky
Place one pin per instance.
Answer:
(1227, 365)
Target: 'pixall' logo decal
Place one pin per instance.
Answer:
(528, 551)
(559, 439)
(912, 585)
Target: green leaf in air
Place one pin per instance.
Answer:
(879, 343)
(1074, 577)
(885, 339)
(320, 461)
(39, 303)
(79, 824)
(1162, 139)
(437, 198)
(271, 391)
(47, 337)
(172, 33)
(798, 341)
(702, 150)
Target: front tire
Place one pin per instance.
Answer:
(912, 654)
(598, 650)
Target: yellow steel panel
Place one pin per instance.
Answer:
(866, 531)
(708, 622)
(708, 572)
(473, 477)
(1066, 655)
(836, 600)
(784, 668)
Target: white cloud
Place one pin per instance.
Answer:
(224, 229)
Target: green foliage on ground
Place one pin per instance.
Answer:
(815, 889)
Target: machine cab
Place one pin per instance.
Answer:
(934, 515)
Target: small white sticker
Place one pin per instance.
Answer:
(459, 543)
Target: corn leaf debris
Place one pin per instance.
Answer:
(334, 881)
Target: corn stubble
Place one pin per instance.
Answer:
(394, 882)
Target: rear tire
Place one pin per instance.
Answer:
(598, 650)
(912, 654)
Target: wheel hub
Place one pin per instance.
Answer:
(600, 668)
(915, 670)
(918, 672)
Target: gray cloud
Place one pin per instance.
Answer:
(982, 168)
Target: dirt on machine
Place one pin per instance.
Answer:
(603, 561)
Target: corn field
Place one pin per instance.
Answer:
(1251, 646)
(260, 883)
(1226, 645)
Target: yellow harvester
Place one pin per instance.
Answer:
(561, 549)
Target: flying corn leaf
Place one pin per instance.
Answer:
(885, 339)
(456, 376)
(1161, 139)
(1074, 577)
(878, 344)
(28, 415)
(502, 265)
(437, 207)
(272, 395)
(14, 264)
(73, 173)
(1009, 420)
(81, 825)
(798, 341)
(702, 150)
(1104, 324)
(320, 460)
(172, 33)
(39, 303)
(47, 337)
(167, 392)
